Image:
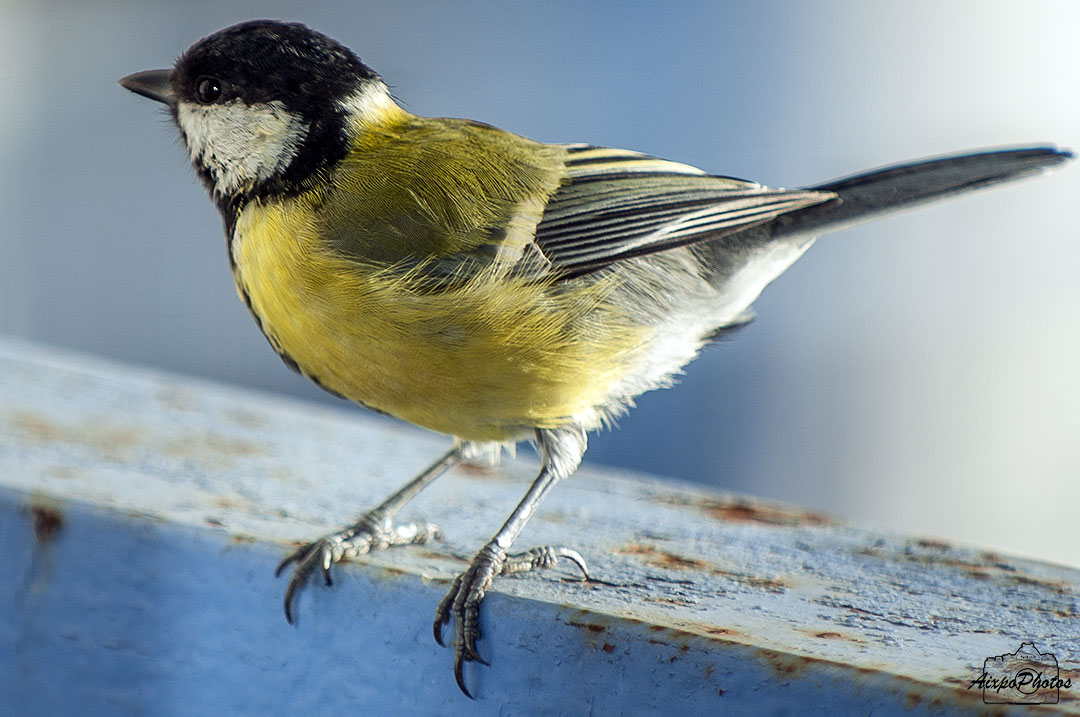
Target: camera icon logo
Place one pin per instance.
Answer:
(1025, 677)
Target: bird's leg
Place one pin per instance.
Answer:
(373, 531)
(561, 450)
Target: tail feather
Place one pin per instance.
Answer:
(741, 264)
(865, 197)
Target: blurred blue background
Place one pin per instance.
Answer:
(918, 374)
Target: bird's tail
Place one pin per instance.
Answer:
(872, 195)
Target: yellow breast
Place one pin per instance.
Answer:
(487, 359)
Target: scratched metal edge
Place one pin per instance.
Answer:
(46, 511)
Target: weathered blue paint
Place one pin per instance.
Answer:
(141, 517)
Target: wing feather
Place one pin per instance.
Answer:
(619, 204)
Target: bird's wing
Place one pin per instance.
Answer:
(619, 204)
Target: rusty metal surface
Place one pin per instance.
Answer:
(143, 515)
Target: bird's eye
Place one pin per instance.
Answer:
(207, 89)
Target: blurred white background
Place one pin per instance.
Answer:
(919, 374)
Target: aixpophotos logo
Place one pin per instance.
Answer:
(1025, 677)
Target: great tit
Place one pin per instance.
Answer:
(478, 283)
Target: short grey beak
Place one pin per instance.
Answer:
(155, 84)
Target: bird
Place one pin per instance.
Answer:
(478, 283)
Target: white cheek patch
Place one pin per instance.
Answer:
(238, 143)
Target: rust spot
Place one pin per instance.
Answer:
(608, 648)
(771, 585)
(744, 511)
(932, 544)
(33, 426)
(214, 522)
(719, 693)
(665, 559)
(687, 635)
(784, 664)
(1025, 580)
(662, 558)
(708, 673)
(204, 445)
(586, 620)
(993, 558)
(831, 635)
(99, 435)
(47, 522)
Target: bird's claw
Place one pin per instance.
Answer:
(372, 532)
(462, 601)
(542, 558)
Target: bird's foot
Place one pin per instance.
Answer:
(371, 532)
(462, 601)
